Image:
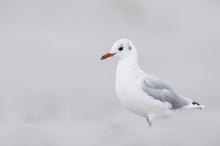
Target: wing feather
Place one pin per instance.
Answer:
(160, 91)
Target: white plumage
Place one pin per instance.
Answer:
(141, 93)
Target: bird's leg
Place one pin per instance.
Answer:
(149, 121)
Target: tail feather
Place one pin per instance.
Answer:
(194, 105)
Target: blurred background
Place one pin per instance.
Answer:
(55, 91)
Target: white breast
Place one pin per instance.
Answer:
(128, 88)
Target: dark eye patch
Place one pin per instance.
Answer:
(120, 49)
(129, 47)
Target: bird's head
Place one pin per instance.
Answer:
(120, 48)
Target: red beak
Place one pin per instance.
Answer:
(107, 55)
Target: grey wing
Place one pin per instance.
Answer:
(162, 92)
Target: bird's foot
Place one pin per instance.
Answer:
(149, 122)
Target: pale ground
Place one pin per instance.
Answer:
(197, 128)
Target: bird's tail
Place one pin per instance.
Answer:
(194, 105)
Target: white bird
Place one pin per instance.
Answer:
(140, 92)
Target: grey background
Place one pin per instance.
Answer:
(55, 91)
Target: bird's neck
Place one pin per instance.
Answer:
(129, 61)
(127, 66)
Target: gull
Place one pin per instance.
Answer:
(141, 93)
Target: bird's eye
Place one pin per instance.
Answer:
(120, 49)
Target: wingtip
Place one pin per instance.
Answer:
(194, 107)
